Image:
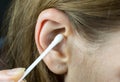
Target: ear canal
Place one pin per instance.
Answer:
(52, 35)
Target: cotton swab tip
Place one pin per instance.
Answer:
(59, 38)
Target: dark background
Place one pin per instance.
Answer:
(4, 4)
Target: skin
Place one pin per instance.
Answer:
(101, 64)
(12, 75)
(81, 61)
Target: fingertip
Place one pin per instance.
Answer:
(15, 71)
(11, 75)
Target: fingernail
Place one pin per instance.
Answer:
(15, 71)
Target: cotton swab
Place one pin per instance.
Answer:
(56, 41)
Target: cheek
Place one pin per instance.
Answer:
(107, 65)
(100, 67)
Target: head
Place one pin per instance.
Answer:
(90, 51)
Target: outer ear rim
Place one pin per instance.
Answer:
(43, 17)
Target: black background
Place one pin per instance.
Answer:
(4, 5)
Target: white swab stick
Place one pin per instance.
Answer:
(56, 40)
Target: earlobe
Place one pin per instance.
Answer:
(50, 23)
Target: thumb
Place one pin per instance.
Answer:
(12, 75)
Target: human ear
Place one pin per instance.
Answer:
(50, 23)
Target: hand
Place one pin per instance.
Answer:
(12, 75)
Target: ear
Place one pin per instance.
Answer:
(50, 23)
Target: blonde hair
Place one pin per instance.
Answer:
(90, 18)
